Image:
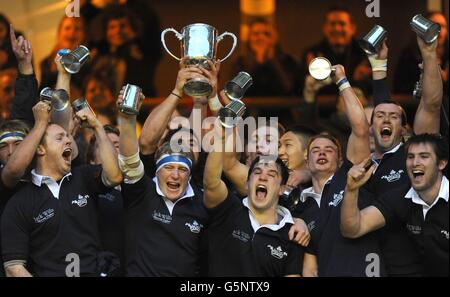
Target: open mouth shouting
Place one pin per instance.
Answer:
(261, 192)
(418, 175)
(67, 155)
(173, 186)
(386, 133)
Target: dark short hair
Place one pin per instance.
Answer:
(437, 142)
(116, 12)
(14, 126)
(338, 8)
(303, 133)
(90, 151)
(283, 169)
(390, 101)
(326, 135)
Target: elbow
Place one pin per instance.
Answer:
(348, 232)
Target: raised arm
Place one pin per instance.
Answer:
(356, 223)
(358, 142)
(158, 119)
(215, 190)
(379, 63)
(236, 172)
(26, 87)
(63, 78)
(427, 119)
(111, 175)
(22, 157)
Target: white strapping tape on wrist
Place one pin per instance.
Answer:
(131, 173)
(214, 103)
(377, 64)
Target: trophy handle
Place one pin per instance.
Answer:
(221, 36)
(177, 34)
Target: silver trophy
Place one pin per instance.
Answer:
(320, 68)
(59, 101)
(73, 60)
(236, 88)
(371, 43)
(198, 45)
(417, 92)
(427, 30)
(131, 100)
(229, 113)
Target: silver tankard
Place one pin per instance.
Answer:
(198, 45)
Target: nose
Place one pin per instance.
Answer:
(175, 174)
(416, 161)
(10, 149)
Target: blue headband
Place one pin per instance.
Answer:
(174, 159)
(14, 135)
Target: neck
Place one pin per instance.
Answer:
(380, 151)
(47, 171)
(431, 194)
(265, 217)
(318, 180)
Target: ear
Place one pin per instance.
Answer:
(281, 190)
(442, 164)
(40, 151)
(353, 28)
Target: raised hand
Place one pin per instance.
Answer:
(359, 174)
(23, 51)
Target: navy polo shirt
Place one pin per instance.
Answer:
(162, 238)
(336, 255)
(236, 249)
(428, 226)
(41, 229)
(400, 256)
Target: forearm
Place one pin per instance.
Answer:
(25, 67)
(432, 82)
(128, 144)
(350, 214)
(22, 157)
(236, 172)
(63, 82)
(355, 113)
(197, 115)
(156, 123)
(213, 170)
(111, 173)
(17, 271)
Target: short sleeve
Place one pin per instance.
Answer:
(134, 193)
(294, 261)
(15, 230)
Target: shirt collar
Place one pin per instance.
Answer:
(391, 151)
(309, 192)
(38, 179)
(282, 212)
(189, 191)
(443, 194)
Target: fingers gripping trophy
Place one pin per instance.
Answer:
(198, 45)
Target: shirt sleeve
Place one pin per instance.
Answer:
(134, 193)
(380, 90)
(25, 97)
(391, 205)
(222, 212)
(15, 231)
(294, 261)
(92, 175)
(149, 164)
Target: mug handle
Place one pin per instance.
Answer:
(177, 34)
(221, 36)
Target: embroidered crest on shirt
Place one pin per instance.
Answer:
(445, 233)
(195, 227)
(337, 198)
(311, 225)
(45, 215)
(393, 176)
(163, 218)
(277, 252)
(241, 235)
(81, 201)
